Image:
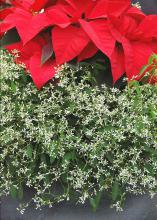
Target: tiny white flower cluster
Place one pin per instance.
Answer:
(84, 138)
(137, 5)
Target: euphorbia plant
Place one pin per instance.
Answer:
(78, 30)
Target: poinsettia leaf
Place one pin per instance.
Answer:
(5, 12)
(117, 63)
(116, 8)
(58, 17)
(100, 10)
(99, 33)
(136, 13)
(29, 26)
(145, 26)
(38, 5)
(41, 74)
(9, 38)
(89, 51)
(68, 43)
(25, 4)
(141, 53)
(47, 52)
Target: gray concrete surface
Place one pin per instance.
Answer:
(136, 208)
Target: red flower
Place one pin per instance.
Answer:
(29, 20)
(32, 60)
(81, 39)
(131, 43)
(79, 29)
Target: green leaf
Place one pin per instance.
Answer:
(115, 191)
(151, 151)
(47, 52)
(29, 152)
(152, 112)
(69, 156)
(134, 83)
(149, 168)
(13, 86)
(52, 159)
(13, 192)
(64, 177)
(96, 201)
(139, 125)
(110, 157)
(43, 158)
(10, 37)
(151, 58)
(143, 69)
(20, 192)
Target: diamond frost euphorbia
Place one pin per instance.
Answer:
(79, 29)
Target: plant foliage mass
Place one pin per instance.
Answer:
(88, 140)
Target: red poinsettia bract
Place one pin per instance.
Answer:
(32, 59)
(79, 29)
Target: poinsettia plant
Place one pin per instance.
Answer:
(49, 33)
(148, 73)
